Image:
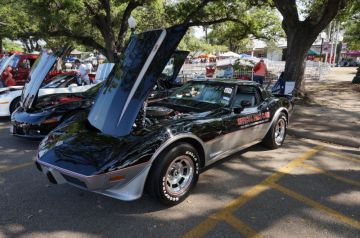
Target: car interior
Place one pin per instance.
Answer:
(245, 93)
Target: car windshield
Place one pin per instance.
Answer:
(203, 92)
(60, 81)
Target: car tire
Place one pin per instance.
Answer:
(173, 174)
(14, 105)
(277, 133)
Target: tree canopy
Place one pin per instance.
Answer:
(102, 24)
(16, 21)
(260, 23)
(351, 23)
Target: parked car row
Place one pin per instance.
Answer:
(138, 130)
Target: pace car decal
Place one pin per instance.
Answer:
(252, 120)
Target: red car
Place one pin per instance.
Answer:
(21, 65)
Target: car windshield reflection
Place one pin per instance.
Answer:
(207, 93)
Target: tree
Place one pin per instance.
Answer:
(102, 24)
(191, 43)
(260, 23)
(301, 34)
(351, 20)
(16, 21)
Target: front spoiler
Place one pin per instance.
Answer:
(127, 189)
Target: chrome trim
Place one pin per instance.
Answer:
(179, 175)
(229, 152)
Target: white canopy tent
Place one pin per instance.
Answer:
(230, 54)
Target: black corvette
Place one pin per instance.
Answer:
(123, 145)
(45, 106)
(62, 99)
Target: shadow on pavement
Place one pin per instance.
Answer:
(50, 210)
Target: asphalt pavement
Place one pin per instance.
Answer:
(304, 189)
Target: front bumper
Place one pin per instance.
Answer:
(30, 125)
(124, 184)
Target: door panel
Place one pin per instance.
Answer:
(248, 125)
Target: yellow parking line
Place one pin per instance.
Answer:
(16, 167)
(209, 223)
(243, 228)
(341, 156)
(312, 203)
(262, 186)
(330, 174)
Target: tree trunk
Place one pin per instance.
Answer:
(206, 33)
(110, 48)
(1, 45)
(302, 33)
(299, 41)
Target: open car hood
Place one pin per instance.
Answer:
(38, 73)
(132, 79)
(179, 58)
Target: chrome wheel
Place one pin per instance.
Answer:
(179, 175)
(280, 131)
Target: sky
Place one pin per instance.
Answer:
(199, 33)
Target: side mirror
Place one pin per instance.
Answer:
(245, 103)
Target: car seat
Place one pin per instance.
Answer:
(244, 97)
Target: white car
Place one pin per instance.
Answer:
(9, 99)
(62, 83)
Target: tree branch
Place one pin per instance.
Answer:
(132, 5)
(320, 21)
(288, 10)
(196, 10)
(106, 5)
(85, 40)
(207, 23)
(225, 19)
(98, 19)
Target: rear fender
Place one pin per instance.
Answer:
(276, 116)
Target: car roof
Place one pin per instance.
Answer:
(227, 81)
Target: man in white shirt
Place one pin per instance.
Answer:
(83, 71)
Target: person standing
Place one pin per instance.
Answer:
(260, 71)
(83, 72)
(8, 77)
